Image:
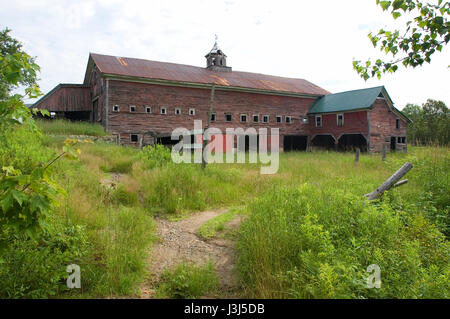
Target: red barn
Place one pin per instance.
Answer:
(140, 100)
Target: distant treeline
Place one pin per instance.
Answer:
(430, 123)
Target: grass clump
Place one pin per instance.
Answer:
(217, 224)
(65, 127)
(128, 234)
(188, 281)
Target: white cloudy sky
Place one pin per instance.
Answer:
(314, 40)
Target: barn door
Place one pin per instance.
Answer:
(393, 141)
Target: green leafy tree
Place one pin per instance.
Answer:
(25, 199)
(430, 123)
(426, 33)
(17, 65)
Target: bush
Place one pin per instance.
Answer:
(308, 242)
(188, 281)
(22, 149)
(155, 156)
(36, 267)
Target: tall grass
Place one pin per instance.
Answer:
(317, 242)
(309, 232)
(65, 127)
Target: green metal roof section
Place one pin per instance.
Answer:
(346, 101)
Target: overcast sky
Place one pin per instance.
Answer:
(313, 40)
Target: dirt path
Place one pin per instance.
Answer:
(178, 240)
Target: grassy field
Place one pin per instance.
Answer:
(309, 233)
(63, 127)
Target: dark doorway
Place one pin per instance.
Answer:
(349, 142)
(393, 143)
(78, 116)
(95, 111)
(295, 143)
(323, 141)
(247, 147)
(166, 141)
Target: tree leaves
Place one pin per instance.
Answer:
(427, 33)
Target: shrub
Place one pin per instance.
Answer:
(36, 267)
(22, 149)
(155, 156)
(188, 281)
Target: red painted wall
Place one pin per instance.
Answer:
(354, 122)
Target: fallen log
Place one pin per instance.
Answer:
(391, 181)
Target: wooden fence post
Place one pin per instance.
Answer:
(357, 155)
(211, 102)
(383, 153)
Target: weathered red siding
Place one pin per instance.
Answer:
(141, 95)
(354, 122)
(67, 98)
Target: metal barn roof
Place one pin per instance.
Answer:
(131, 67)
(346, 101)
(352, 101)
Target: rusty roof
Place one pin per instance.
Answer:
(141, 68)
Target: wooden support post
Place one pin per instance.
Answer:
(357, 155)
(390, 182)
(211, 102)
(383, 153)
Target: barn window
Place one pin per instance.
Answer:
(243, 118)
(256, 118)
(287, 119)
(279, 119)
(163, 111)
(177, 111)
(397, 123)
(305, 120)
(213, 117)
(191, 111)
(401, 139)
(133, 138)
(340, 120)
(318, 120)
(116, 108)
(148, 109)
(228, 117)
(265, 119)
(132, 108)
